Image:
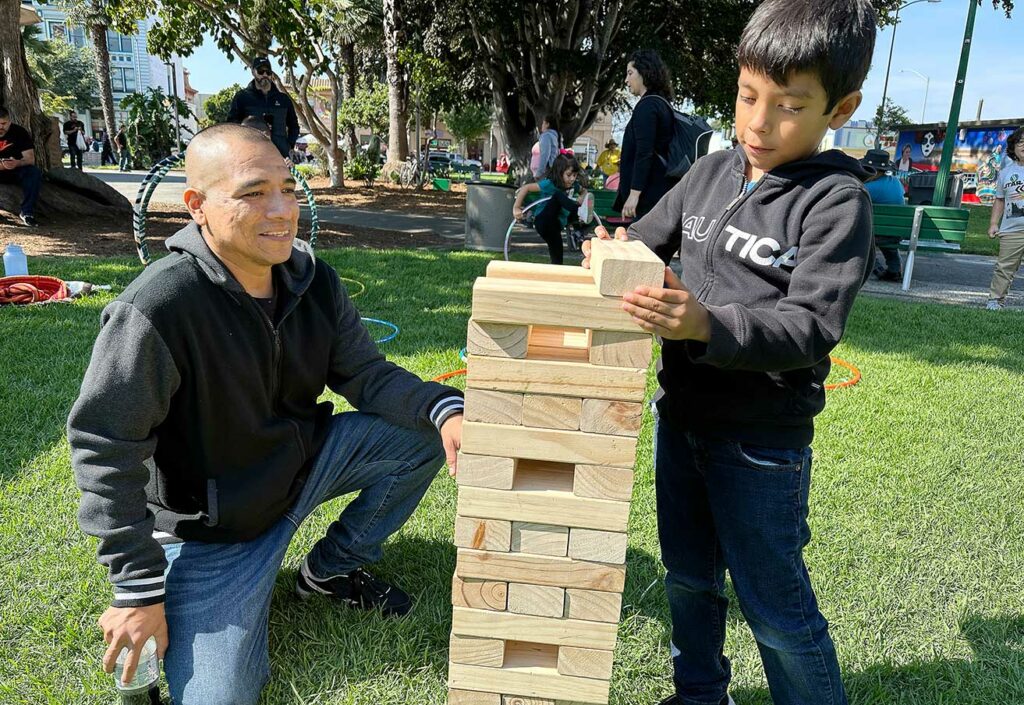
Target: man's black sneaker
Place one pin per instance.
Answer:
(28, 220)
(888, 276)
(356, 589)
(674, 700)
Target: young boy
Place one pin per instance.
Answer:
(775, 241)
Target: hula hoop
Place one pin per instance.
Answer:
(157, 173)
(512, 225)
(388, 324)
(854, 379)
(362, 287)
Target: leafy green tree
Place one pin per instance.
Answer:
(216, 107)
(469, 121)
(151, 126)
(368, 108)
(64, 73)
(890, 116)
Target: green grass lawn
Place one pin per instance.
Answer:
(978, 242)
(917, 556)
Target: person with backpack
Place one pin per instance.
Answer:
(643, 167)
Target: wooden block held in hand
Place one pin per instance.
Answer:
(615, 418)
(486, 471)
(616, 349)
(540, 539)
(483, 534)
(479, 594)
(544, 411)
(602, 482)
(620, 266)
(593, 605)
(539, 600)
(494, 407)
(586, 663)
(472, 697)
(603, 546)
(496, 339)
(476, 651)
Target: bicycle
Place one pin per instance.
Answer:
(412, 173)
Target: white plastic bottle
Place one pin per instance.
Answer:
(144, 688)
(15, 262)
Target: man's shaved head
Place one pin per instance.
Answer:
(213, 151)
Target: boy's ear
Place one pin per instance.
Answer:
(844, 109)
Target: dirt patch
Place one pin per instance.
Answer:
(388, 197)
(97, 237)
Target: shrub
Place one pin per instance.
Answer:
(362, 168)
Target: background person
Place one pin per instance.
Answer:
(1007, 220)
(73, 127)
(555, 214)
(263, 100)
(883, 187)
(546, 148)
(18, 164)
(123, 151)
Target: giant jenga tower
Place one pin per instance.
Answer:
(554, 399)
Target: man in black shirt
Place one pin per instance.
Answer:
(73, 127)
(18, 164)
(263, 100)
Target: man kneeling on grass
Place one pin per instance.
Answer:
(199, 445)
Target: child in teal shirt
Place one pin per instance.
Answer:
(554, 215)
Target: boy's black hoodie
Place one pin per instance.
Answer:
(778, 267)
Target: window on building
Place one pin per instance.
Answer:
(122, 80)
(119, 42)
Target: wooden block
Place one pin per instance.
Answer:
(523, 302)
(539, 570)
(619, 266)
(540, 600)
(544, 411)
(540, 630)
(600, 482)
(472, 697)
(496, 339)
(483, 534)
(476, 651)
(567, 379)
(616, 418)
(494, 407)
(486, 471)
(547, 343)
(479, 594)
(603, 546)
(520, 700)
(541, 539)
(616, 349)
(593, 605)
(529, 682)
(498, 269)
(547, 444)
(543, 506)
(586, 663)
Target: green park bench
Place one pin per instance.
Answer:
(925, 227)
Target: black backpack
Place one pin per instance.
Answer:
(691, 137)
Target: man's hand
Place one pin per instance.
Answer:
(131, 627)
(451, 438)
(993, 231)
(671, 312)
(602, 234)
(9, 163)
(629, 207)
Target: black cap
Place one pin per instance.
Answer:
(877, 159)
(260, 62)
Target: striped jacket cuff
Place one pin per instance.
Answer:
(139, 592)
(445, 408)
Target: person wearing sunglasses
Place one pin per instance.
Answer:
(262, 99)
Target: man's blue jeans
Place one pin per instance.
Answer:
(218, 595)
(723, 505)
(31, 180)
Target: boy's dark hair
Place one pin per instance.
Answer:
(1011, 143)
(657, 79)
(4, 113)
(834, 39)
(563, 163)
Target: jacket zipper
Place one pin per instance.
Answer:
(734, 204)
(275, 375)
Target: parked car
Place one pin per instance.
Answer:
(466, 162)
(438, 163)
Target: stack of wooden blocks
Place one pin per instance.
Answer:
(554, 399)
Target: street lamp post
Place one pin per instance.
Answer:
(172, 80)
(888, 65)
(927, 82)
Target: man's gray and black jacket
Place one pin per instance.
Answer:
(778, 267)
(198, 416)
(274, 107)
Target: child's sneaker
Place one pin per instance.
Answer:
(356, 589)
(994, 305)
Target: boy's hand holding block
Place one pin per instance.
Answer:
(620, 266)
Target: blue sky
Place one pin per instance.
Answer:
(928, 40)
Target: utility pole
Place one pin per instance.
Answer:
(172, 80)
(981, 104)
(953, 124)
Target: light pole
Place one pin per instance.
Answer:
(888, 65)
(172, 79)
(927, 82)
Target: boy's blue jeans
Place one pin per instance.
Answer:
(726, 505)
(218, 594)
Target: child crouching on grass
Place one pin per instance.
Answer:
(555, 214)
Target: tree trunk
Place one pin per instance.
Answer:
(101, 56)
(348, 91)
(398, 140)
(337, 156)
